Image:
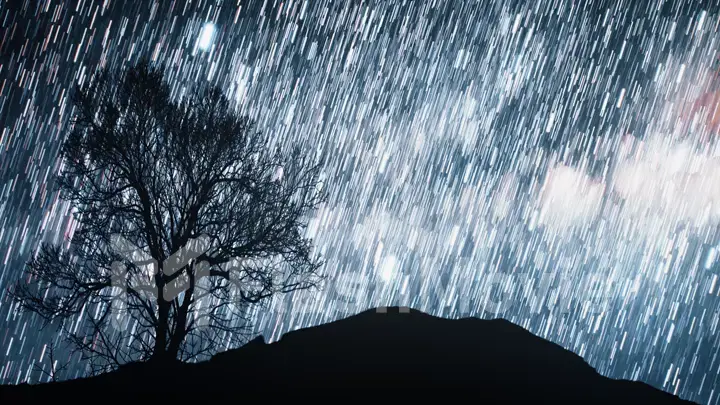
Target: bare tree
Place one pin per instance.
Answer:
(186, 216)
(53, 367)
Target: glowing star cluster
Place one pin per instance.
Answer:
(552, 163)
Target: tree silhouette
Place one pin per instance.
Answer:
(186, 217)
(53, 369)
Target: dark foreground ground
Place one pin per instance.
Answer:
(369, 356)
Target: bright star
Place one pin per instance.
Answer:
(206, 36)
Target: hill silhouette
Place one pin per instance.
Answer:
(370, 355)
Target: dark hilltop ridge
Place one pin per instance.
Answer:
(369, 355)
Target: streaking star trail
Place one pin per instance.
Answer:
(556, 164)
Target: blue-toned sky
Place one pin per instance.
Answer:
(552, 163)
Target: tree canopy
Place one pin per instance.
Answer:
(186, 216)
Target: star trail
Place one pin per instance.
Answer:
(552, 163)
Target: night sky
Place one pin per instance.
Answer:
(552, 163)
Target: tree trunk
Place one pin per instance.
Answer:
(178, 336)
(161, 329)
(180, 332)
